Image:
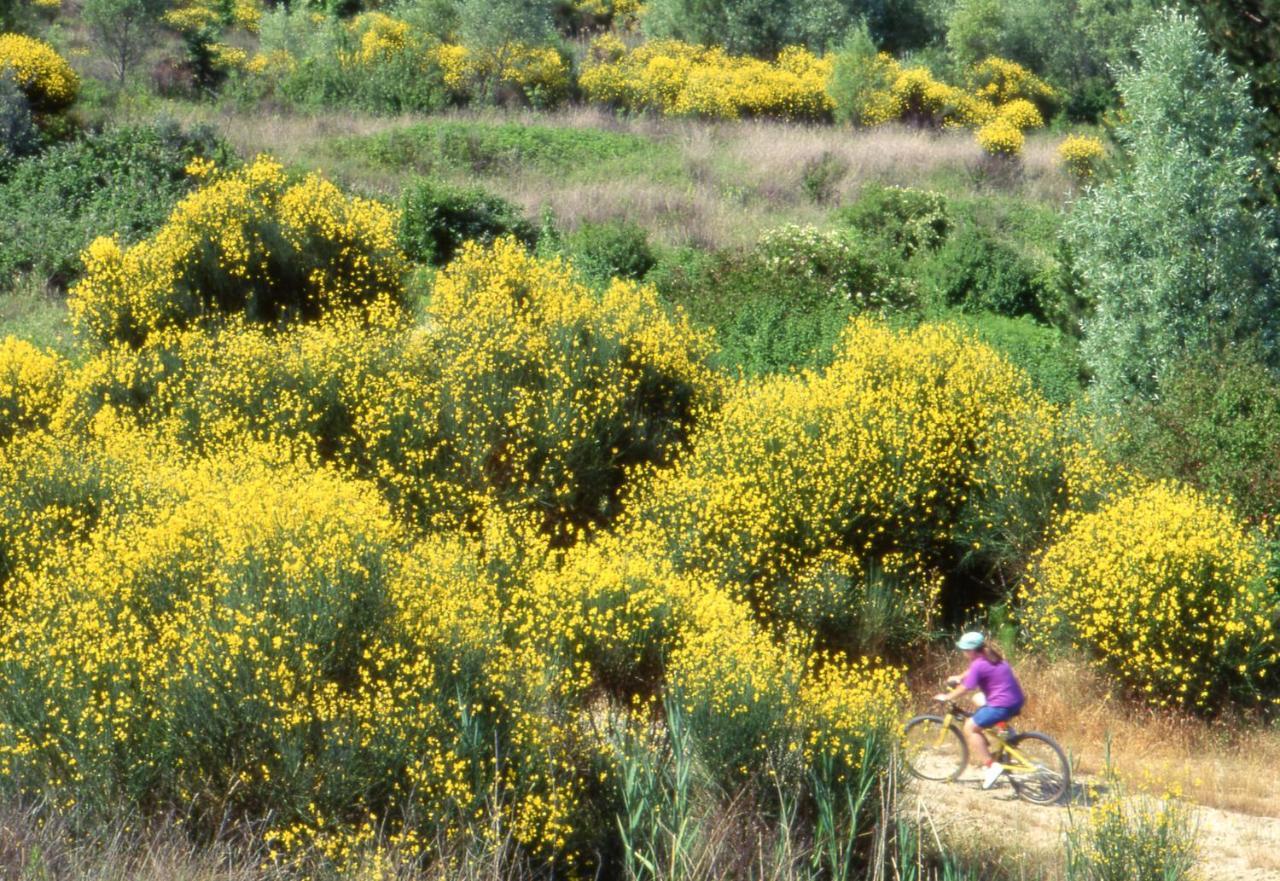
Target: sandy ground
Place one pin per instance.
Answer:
(1233, 846)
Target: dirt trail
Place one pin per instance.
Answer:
(1233, 846)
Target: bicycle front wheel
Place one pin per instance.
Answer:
(934, 750)
(1048, 776)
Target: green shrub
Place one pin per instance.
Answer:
(975, 272)
(1216, 426)
(784, 304)
(122, 181)
(906, 219)
(19, 136)
(436, 218)
(321, 74)
(617, 249)
(854, 75)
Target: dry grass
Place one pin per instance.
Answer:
(732, 180)
(1227, 763)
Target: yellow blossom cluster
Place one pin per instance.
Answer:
(812, 492)
(42, 75)
(1081, 155)
(679, 79)
(249, 241)
(1167, 590)
(194, 16)
(539, 73)
(30, 387)
(1002, 100)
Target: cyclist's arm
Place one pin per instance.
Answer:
(954, 694)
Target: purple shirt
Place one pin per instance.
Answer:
(996, 681)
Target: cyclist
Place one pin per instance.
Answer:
(990, 674)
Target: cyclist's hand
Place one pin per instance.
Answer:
(941, 698)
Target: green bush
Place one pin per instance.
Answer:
(122, 181)
(784, 304)
(1216, 426)
(906, 219)
(975, 272)
(436, 218)
(618, 249)
(391, 82)
(19, 136)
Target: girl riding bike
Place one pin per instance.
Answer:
(990, 674)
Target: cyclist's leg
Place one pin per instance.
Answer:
(984, 717)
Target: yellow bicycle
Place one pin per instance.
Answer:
(935, 749)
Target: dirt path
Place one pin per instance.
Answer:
(1234, 846)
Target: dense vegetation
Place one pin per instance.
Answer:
(391, 526)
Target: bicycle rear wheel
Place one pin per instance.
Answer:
(1050, 780)
(932, 750)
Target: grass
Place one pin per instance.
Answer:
(32, 312)
(711, 185)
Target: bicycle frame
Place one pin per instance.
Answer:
(996, 742)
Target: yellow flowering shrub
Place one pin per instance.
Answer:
(1021, 114)
(31, 386)
(1165, 589)
(812, 492)
(679, 79)
(250, 241)
(40, 72)
(1081, 155)
(551, 392)
(539, 73)
(1002, 100)
(1000, 81)
(1001, 137)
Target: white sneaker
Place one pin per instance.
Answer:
(994, 770)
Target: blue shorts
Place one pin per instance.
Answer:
(987, 716)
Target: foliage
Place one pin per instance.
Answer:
(436, 219)
(785, 303)
(854, 75)
(618, 249)
(1134, 837)
(975, 271)
(123, 28)
(907, 220)
(44, 77)
(1213, 427)
(445, 147)
(373, 62)
(680, 79)
(30, 387)
(487, 29)
(1165, 589)
(537, 75)
(1049, 357)
(814, 493)
(250, 241)
(1246, 36)
(123, 181)
(19, 136)
(1001, 100)
(1179, 263)
(1081, 156)
(1001, 137)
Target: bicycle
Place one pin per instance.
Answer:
(935, 749)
